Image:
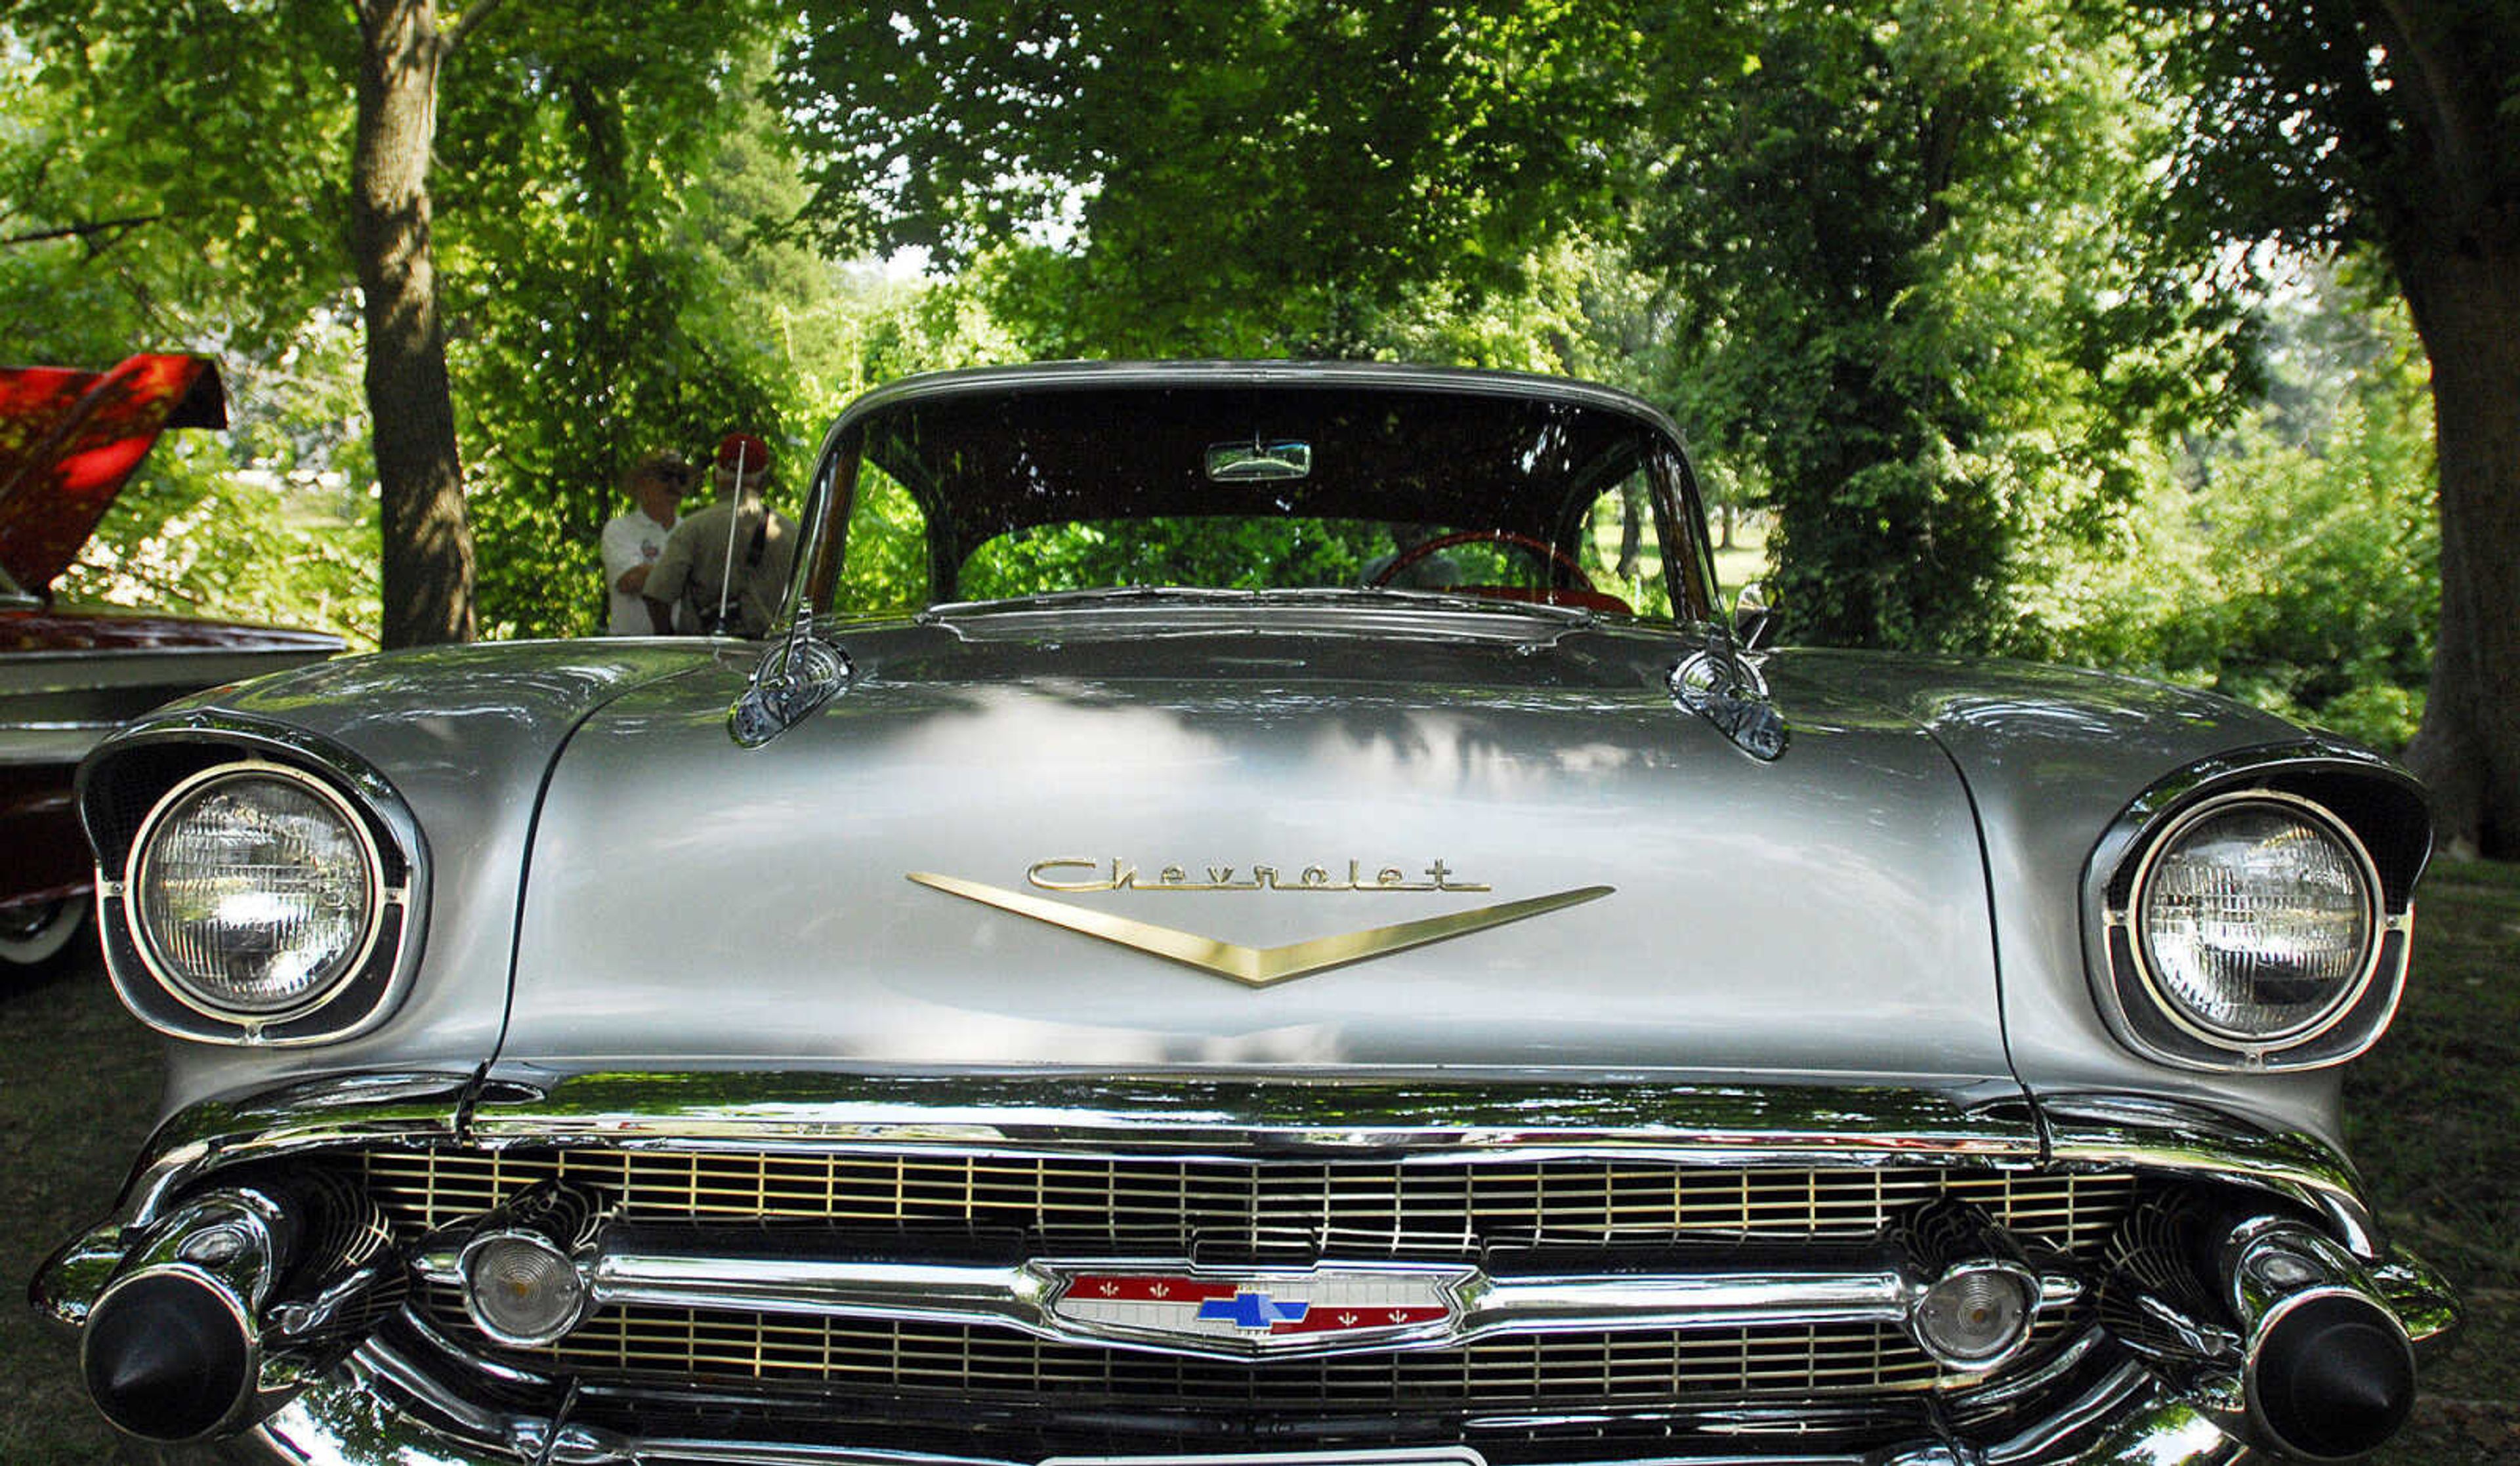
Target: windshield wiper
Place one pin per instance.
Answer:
(1573, 615)
(1415, 595)
(1092, 596)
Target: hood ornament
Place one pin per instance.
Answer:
(793, 678)
(1722, 685)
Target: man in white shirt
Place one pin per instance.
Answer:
(633, 540)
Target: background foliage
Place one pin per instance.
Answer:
(1899, 269)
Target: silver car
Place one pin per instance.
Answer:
(1252, 912)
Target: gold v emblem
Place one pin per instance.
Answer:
(1257, 966)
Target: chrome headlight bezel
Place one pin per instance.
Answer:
(146, 847)
(127, 789)
(2374, 816)
(2138, 918)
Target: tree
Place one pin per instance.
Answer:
(1906, 297)
(2290, 559)
(267, 157)
(608, 292)
(1233, 177)
(427, 541)
(2393, 126)
(237, 134)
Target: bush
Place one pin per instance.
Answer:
(2293, 561)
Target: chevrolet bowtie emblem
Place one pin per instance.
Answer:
(1265, 1312)
(1257, 966)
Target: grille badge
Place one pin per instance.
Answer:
(1260, 1310)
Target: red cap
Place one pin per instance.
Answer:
(755, 452)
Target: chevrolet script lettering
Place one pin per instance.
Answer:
(1253, 967)
(1120, 875)
(1259, 1312)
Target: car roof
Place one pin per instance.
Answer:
(1262, 375)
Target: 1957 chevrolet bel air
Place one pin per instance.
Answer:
(1250, 911)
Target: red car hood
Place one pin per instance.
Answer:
(69, 440)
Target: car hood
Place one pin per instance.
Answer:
(76, 631)
(69, 440)
(898, 880)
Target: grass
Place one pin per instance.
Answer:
(2434, 1119)
(2434, 1112)
(1744, 562)
(78, 1084)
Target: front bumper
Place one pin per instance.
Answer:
(820, 1268)
(380, 1409)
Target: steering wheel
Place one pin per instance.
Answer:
(1539, 547)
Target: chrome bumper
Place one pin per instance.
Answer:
(379, 1411)
(367, 1403)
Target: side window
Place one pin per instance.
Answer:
(885, 570)
(1621, 547)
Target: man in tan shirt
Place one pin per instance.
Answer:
(729, 564)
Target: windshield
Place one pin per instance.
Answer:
(1408, 485)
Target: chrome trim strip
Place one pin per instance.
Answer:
(2126, 1418)
(294, 1120)
(626, 1270)
(293, 656)
(1528, 1115)
(2113, 1130)
(37, 745)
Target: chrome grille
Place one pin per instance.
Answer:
(1447, 1208)
(1504, 1374)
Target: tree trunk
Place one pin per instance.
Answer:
(428, 539)
(2465, 298)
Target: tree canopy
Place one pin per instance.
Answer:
(1221, 177)
(2000, 319)
(1910, 292)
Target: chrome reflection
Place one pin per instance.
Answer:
(2278, 1334)
(222, 1311)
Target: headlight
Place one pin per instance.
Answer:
(255, 891)
(2257, 920)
